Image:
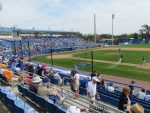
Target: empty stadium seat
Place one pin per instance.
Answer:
(50, 107)
(15, 103)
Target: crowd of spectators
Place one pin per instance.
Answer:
(44, 45)
(41, 75)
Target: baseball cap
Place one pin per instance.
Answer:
(36, 79)
(43, 65)
(46, 80)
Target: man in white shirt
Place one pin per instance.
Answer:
(141, 94)
(57, 77)
(147, 98)
(91, 89)
(110, 88)
(76, 82)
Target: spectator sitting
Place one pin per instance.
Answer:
(131, 86)
(45, 91)
(124, 101)
(31, 69)
(20, 65)
(110, 87)
(47, 72)
(10, 77)
(136, 108)
(141, 94)
(42, 71)
(147, 97)
(102, 82)
(148, 92)
(35, 84)
(57, 77)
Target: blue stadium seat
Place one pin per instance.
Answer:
(20, 110)
(83, 91)
(20, 89)
(25, 92)
(51, 108)
(12, 106)
(114, 101)
(40, 101)
(59, 110)
(32, 96)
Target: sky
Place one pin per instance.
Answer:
(76, 15)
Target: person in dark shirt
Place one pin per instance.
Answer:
(42, 70)
(93, 74)
(131, 86)
(124, 100)
(31, 69)
(84, 82)
(35, 84)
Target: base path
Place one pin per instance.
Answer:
(59, 56)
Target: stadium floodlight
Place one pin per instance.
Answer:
(113, 16)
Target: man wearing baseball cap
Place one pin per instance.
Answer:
(91, 89)
(45, 91)
(35, 84)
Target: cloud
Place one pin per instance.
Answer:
(76, 14)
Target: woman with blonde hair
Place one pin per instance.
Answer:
(124, 101)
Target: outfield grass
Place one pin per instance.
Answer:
(134, 57)
(105, 68)
(134, 46)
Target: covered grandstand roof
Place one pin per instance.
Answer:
(5, 29)
(28, 31)
(17, 31)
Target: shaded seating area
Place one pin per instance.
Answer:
(13, 102)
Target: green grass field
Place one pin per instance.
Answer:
(133, 57)
(105, 68)
(135, 46)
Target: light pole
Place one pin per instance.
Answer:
(113, 16)
(95, 28)
(51, 53)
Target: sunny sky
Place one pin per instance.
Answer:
(76, 15)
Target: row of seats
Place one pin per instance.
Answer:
(41, 102)
(113, 99)
(117, 94)
(16, 104)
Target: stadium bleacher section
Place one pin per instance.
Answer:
(44, 45)
(104, 95)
